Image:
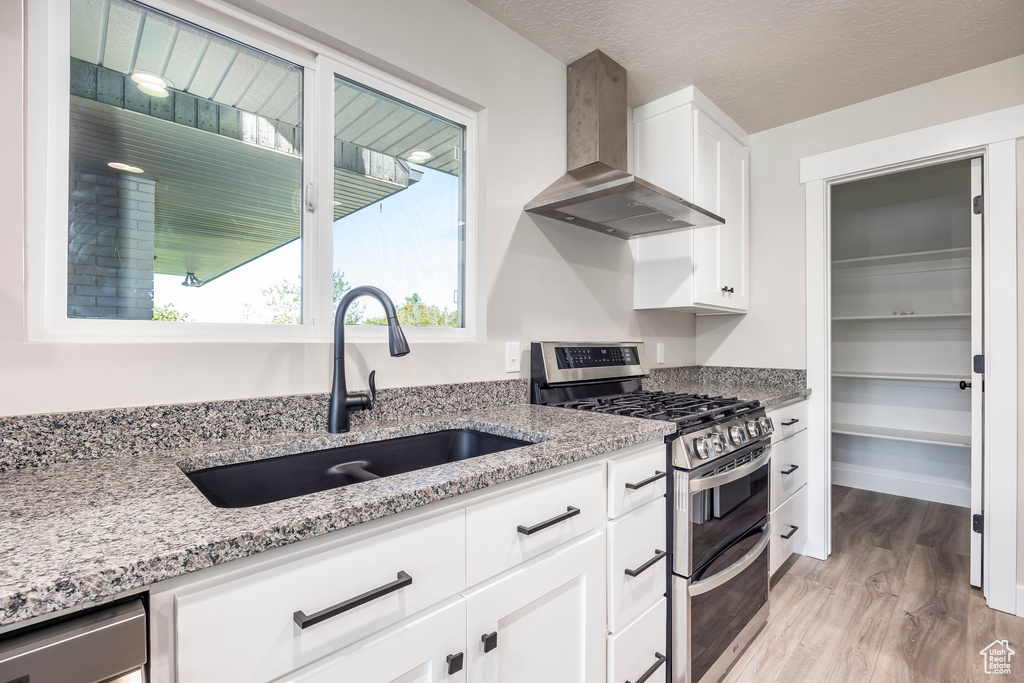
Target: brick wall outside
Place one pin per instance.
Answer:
(110, 246)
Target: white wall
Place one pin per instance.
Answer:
(543, 281)
(773, 333)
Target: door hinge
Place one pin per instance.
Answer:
(978, 524)
(979, 204)
(979, 363)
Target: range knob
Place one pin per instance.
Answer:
(766, 425)
(752, 429)
(703, 447)
(736, 434)
(717, 442)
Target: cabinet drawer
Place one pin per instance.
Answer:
(634, 541)
(523, 524)
(789, 468)
(247, 629)
(641, 646)
(789, 520)
(784, 417)
(631, 479)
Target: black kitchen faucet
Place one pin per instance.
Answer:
(342, 401)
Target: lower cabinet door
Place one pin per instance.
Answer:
(543, 622)
(423, 650)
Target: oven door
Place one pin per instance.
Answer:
(720, 609)
(718, 503)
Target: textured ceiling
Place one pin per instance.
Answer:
(770, 62)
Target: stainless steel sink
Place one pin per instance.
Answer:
(264, 481)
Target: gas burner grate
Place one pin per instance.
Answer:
(688, 411)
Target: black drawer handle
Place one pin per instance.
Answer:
(654, 667)
(728, 290)
(455, 663)
(658, 555)
(791, 470)
(490, 641)
(790, 423)
(645, 482)
(304, 621)
(792, 530)
(569, 512)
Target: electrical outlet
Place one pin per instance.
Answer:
(512, 356)
(661, 353)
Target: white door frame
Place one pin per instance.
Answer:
(992, 136)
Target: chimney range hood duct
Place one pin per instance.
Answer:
(597, 193)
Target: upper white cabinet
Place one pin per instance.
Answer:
(687, 145)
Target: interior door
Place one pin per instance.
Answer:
(977, 379)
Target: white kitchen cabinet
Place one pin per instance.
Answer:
(686, 145)
(788, 488)
(429, 649)
(542, 623)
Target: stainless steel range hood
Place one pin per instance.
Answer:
(597, 192)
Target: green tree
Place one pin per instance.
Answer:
(284, 301)
(414, 312)
(168, 312)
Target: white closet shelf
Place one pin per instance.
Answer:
(922, 316)
(909, 257)
(957, 440)
(908, 376)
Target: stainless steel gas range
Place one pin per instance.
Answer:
(718, 520)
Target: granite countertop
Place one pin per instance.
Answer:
(127, 522)
(128, 516)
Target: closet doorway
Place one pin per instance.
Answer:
(906, 337)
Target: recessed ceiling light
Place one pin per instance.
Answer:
(151, 84)
(153, 90)
(127, 168)
(419, 156)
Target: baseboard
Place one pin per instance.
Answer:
(873, 480)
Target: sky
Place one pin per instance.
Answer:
(405, 244)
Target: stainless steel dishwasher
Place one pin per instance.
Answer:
(106, 645)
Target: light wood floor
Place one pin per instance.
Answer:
(892, 603)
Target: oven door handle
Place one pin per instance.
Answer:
(732, 475)
(730, 572)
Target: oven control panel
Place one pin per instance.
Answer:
(696, 448)
(595, 356)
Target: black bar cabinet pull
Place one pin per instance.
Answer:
(964, 385)
(654, 667)
(304, 621)
(570, 511)
(455, 662)
(490, 641)
(645, 482)
(791, 470)
(658, 555)
(790, 423)
(792, 530)
(728, 290)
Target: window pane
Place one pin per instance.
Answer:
(185, 172)
(398, 208)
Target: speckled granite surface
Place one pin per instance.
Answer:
(32, 440)
(771, 386)
(129, 521)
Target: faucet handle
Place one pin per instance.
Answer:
(373, 390)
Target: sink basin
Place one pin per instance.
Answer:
(264, 481)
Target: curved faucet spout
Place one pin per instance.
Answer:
(341, 401)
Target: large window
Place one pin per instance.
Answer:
(203, 188)
(398, 220)
(185, 172)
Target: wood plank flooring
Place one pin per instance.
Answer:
(892, 603)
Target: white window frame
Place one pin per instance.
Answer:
(47, 137)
